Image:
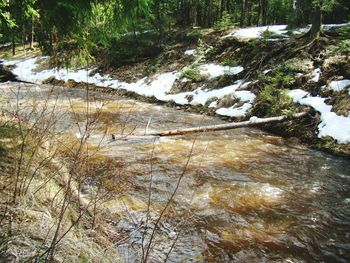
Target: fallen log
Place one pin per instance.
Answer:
(229, 126)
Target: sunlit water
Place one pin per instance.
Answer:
(246, 196)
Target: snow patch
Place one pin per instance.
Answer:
(281, 30)
(158, 86)
(256, 32)
(330, 26)
(190, 52)
(316, 75)
(333, 125)
(214, 70)
(340, 85)
(235, 112)
(5, 45)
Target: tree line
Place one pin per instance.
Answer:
(92, 23)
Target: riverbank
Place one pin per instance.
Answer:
(248, 73)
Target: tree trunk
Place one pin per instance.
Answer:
(242, 13)
(297, 20)
(259, 13)
(264, 12)
(210, 13)
(249, 12)
(223, 7)
(24, 36)
(229, 126)
(13, 32)
(31, 36)
(316, 23)
(13, 45)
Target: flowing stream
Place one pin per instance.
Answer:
(245, 195)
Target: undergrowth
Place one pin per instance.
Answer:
(272, 98)
(192, 71)
(224, 23)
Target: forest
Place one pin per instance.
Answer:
(174, 131)
(89, 29)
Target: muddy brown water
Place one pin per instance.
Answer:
(246, 195)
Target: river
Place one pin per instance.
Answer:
(245, 195)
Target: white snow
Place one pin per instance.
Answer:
(297, 94)
(330, 26)
(340, 85)
(190, 52)
(256, 32)
(333, 125)
(235, 112)
(157, 86)
(245, 95)
(316, 75)
(214, 70)
(5, 45)
(281, 30)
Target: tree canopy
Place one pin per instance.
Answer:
(92, 24)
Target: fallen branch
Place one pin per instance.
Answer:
(229, 126)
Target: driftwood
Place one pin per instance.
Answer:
(228, 126)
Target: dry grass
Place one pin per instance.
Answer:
(21, 53)
(36, 214)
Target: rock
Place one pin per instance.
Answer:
(71, 83)
(6, 74)
(54, 81)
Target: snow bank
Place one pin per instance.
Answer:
(333, 125)
(190, 52)
(214, 70)
(316, 75)
(340, 85)
(256, 32)
(158, 86)
(235, 112)
(281, 30)
(5, 45)
(330, 26)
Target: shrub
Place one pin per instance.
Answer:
(272, 96)
(344, 32)
(191, 73)
(295, 65)
(152, 67)
(343, 48)
(253, 47)
(267, 34)
(193, 36)
(231, 62)
(277, 101)
(72, 53)
(224, 23)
